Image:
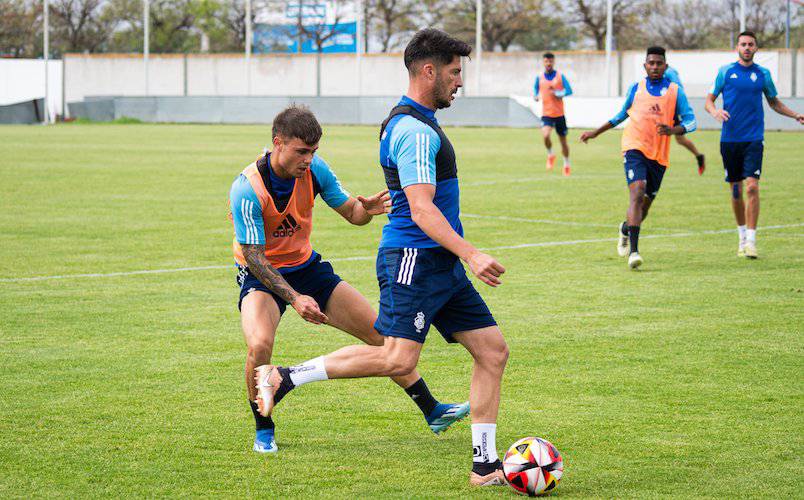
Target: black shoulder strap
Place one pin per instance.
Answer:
(405, 109)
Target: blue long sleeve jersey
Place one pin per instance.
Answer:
(657, 88)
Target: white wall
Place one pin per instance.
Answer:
(24, 80)
(503, 74)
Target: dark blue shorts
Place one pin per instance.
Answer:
(742, 159)
(559, 123)
(639, 168)
(317, 280)
(420, 287)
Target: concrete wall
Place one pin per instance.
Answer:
(26, 112)
(502, 74)
(23, 80)
(466, 111)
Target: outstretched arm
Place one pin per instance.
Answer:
(359, 211)
(259, 266)
(777, 105)
(591, 134)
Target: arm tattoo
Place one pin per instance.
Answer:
(258, 266)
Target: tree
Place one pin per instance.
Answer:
(628, 17)
(20, 28)
(503, 21)
(681, 24)
(391, 20)
(765, 17)
(79, 25)
(548, 34)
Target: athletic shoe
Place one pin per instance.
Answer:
(701, 164)
(623, 243)
(445, 415)
(741, 249)
(551, 162)
(493, 478)
(264, 442)
(566, 170)
(634, 260)
(268, 380)
(750, 250)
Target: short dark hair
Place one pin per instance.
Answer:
(297, 121)
(549, 55)
(434, 44)
(656, 50)
(749, 33)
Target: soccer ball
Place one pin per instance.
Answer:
(533, 466)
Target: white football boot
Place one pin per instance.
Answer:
(634, 260)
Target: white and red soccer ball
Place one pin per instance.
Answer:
(533, 466)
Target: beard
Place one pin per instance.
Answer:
(442, 94)
(746, 58)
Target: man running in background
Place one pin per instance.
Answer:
(742, 84)
(422, 279)
(672, 75)
(552, 87)
(272, 208)
(652, 104)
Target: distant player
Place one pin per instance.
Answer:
(652, 104)
(742, 84)
(422, 280)
(672, 75)
(552, 87)
(272, 208)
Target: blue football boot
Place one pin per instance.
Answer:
(445, 415)
(264, 442)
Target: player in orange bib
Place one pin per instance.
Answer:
(552, 87)
(652, 104)
(271, 204)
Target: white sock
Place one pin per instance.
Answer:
(566, 161)
(741, 231)
(751, 235)
(309, 371)
(484, 443)
(549, 151)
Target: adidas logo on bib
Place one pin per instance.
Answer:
(287, 228)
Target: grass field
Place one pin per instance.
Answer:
(685, 379)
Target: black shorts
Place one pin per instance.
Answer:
(639, 168)
(316, 279)
(420, 287)
(557, 122)
(742, 159)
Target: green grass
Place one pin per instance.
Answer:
(681, 380)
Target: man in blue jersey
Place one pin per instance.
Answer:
(422, 281)
(657, 108)
(742, 84)
(672, 75)
(271, 207)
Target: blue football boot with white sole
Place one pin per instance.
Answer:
(445, 415)
(264, 442)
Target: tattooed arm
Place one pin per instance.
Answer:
(259, 266)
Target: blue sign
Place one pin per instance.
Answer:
(273, 38)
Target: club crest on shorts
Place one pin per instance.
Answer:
(419, 322)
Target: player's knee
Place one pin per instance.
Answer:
(260, 352)
(751, 189)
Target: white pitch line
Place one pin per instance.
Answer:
(372, 257)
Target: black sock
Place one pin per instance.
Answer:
(483, 468)
(420, 395)
(285, 387)
(262, 422)
(624, 228)
(700, 159)
(633, 235)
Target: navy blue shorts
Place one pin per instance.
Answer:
(742, 159)
(559, 123)
(639, 168)
(317, 280)
(420, 287)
